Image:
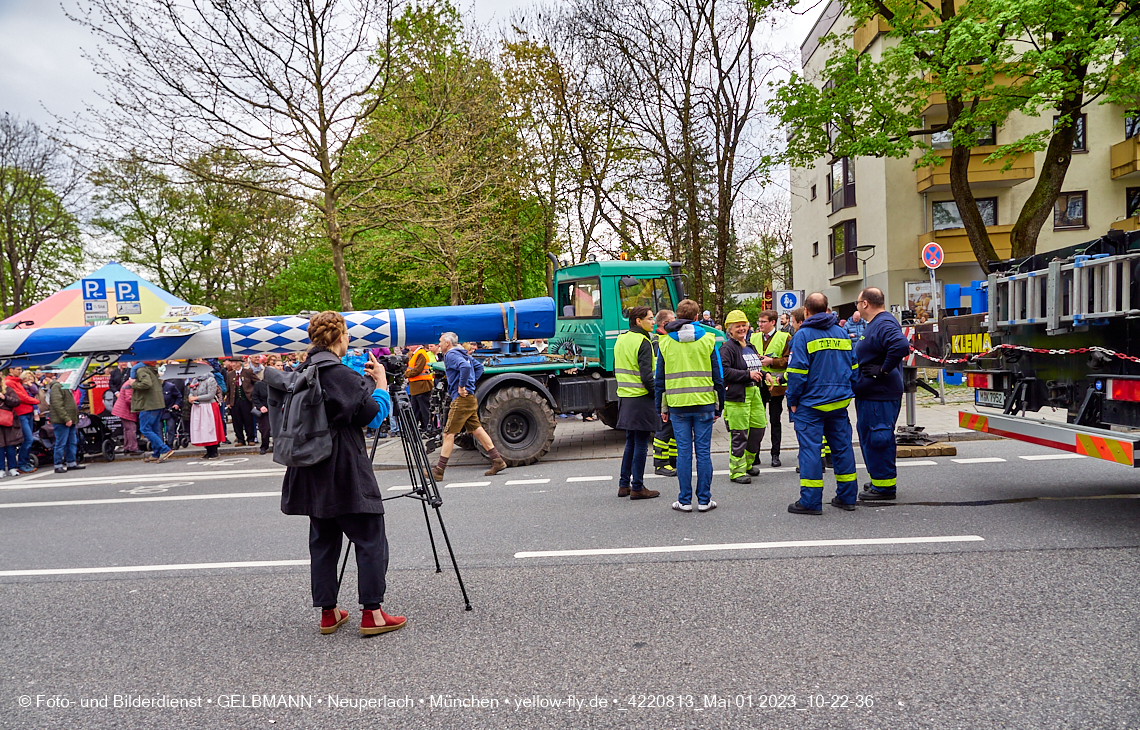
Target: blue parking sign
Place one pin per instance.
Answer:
(93, 289)
(127, 291)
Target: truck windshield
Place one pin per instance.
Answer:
(652, 293)
(580, 299)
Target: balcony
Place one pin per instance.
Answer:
(981, 174)
(1126, 159)
(866, 34)
(936, 102)
(1128, 224)
(956, 244)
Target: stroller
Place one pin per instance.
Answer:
(95, 437)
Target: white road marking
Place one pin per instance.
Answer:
(399, 489)
(719, 472)
(455, 485)
(128, 500)
(590, 479)
(980, 460)
(528, 481)
(149, 568)
(136, 479)
(748, 546)
(43, 473)
(1051, 457)
(656, 476)
(908, 462)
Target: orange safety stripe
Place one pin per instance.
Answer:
(1105, 448)
(973, 421)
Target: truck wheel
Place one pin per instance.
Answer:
(609, 414)
(521, 424)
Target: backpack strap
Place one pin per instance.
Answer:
(321, 359)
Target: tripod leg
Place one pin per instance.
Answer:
(343, 565)
(431, 536)
(454, 564)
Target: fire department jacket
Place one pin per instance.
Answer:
(822, 369)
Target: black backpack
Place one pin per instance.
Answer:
(297, 419)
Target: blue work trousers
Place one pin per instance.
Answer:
(150, 425)
(693, 432)
(26, 447)
(66, 440)
(876, 425)
(633, 460)
(812, 425)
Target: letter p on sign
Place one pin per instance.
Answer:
(94, 289)
(127, 291)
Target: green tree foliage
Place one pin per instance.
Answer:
(989, 59)
(40, 247)
(210, 243)
(454, 216)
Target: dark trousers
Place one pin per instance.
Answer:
(245, 426)
(775, 406)
(633, 460)
(366, 531)
(876, 426)
(263, 427)
(421, 406)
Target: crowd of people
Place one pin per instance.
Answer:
(675, 380)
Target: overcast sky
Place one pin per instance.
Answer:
(43, 72)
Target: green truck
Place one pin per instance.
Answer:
(522, 391)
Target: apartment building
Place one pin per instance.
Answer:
(840, 205)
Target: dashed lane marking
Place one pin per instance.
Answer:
(150, 568)
(137, 479)
(907, 462)
(606, 478)
(528, 481)
(129, 500)
(1052, 457)
(457, 485)
(980, 460)
(748, 546)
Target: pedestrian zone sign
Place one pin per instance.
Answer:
(788, 300)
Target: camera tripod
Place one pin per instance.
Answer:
(423, 483)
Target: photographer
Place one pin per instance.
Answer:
(339, 494)
(464, 410)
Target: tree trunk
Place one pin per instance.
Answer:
(336, 242)
(964, 197)
(1037, 209)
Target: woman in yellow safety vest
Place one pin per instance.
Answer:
(637, 414)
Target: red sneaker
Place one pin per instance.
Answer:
(332, 619)
(378, 622)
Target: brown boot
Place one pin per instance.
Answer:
(496, 466)
(623, 492)
(644, 493)
(437, 473)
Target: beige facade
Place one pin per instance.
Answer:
(898, 209)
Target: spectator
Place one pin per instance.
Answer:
(743, 406)
(118, 376)
(786, 324)
(130, 421)
(420, 381)
(775, 346)
(261, 404)
(664, 443)
(205, 415)
(11, 437)
(241, 406)
(855, 327)
(689, 387)
(24, 417)
(63, 415)
(148, 402)
(707, 320)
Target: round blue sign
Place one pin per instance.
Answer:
(788, 300)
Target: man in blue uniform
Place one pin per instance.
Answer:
(878, 392)
(820, 374)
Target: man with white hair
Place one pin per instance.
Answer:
(463, 413)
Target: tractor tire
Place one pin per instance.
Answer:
(521, 424)
(609, 414)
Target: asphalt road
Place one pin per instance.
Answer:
(999, 592)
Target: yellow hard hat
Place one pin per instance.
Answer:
(735, 316)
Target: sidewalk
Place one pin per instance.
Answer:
(576, 440)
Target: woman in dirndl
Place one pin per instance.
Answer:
(206, 427)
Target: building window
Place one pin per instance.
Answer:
(842, 186)
(944, 140)
(815, 249)
(1080, 141)
(842, 242)
(1132, 198)
(944, 213)
(1131, 125)
(813, 192)
(1069, 211)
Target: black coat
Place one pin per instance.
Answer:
(737, 377)
(640, 414)
(344, 483)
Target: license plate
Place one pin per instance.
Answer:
(991, 398)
